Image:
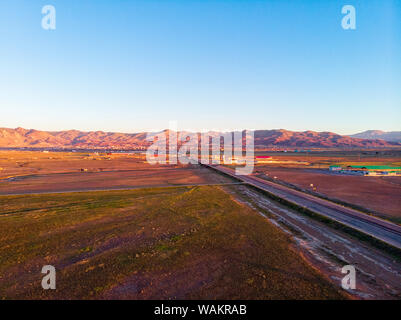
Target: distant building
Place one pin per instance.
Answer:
(263, 159)
(368, 170)
(233, 159)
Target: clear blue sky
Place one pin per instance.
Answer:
(135, 65)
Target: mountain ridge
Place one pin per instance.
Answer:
(392, 136)
(31, 138)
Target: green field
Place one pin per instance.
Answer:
(184, 242)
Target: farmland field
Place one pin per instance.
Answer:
(34, 172)
(183, 242)
(379, 195)
(141, 231)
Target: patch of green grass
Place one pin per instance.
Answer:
(86, 249)
(162, 247)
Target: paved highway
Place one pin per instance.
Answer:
(380, 229)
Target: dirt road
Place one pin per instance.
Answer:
(378, 275)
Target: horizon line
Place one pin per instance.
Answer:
(192, 130)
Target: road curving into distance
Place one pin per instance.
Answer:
(383, 230)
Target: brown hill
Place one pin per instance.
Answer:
(394, 136)
(20, 137)
(287, 138)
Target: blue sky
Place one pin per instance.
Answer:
(132, 66)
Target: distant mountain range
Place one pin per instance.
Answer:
(29, 138)
(394, 136)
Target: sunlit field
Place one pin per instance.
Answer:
(170, 243)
